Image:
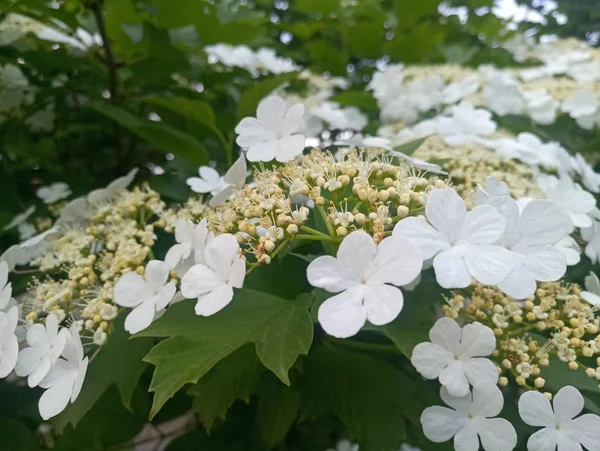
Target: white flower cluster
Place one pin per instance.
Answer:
(264, 60)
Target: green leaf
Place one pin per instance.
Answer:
(118, 363)
(158, 134)
(363, 100)
(558, 375)
(253, 95)
(280, 329)
(17, 436)
(370, 396)
(196, 110)
(235, 377)
(278, 409)
(324, 7)
(410, 147)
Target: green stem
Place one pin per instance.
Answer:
(312, 231)
(281, 246)
(321, 211)
(227, 146)
(317, 238)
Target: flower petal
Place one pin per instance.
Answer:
(445, 210)
(164, 296)
(520, 284)
(546, 264)
(220, 254)
(56, 398)
(584, 430)
(423, 235)
(383, 303)
(209, 174)
(440, 424)
(477, 341)
(199, 185)
(482, 225)
(264, 151)
(487, 400)
(343, 315)
(568, 403)
(289, 147)
(199, 280)
(397, 261)
(429, 359)
(157, 273)
(459, 403)
(330, 274)
(270, 111)
(453, 377)
(140, 317)
(214, 301)
(451, 270)
(292, 120)
(176, 254)
(130, 290)
(496, 434)
(9, 356)
(535, 409)
(544, 440)
(466, 438)
(357, 253)
(543, 222)
(446, 333)
(488, 264)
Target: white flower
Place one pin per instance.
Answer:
(344, 445)
(570, 198)
(103, 194)
(531, 235)
(592, 236)
(272, 134)
(9, 345)
(53, 193)
(561, 428)
(191, 239)
(455, 355)
(5, 286)
(457, 91)
(12, 256)
(493, 189)
(541, 106)
(580, 104)
(570, 249)
(528, 148)
(592, 289)
(503, 94)
(65, 379)
(46, 343)
(338, 118)
(464, 124)
(470, 420)
(364, 275)
(213, 283)
(209, 181)
(461, 243)
(589, 177)
(20, 218)
(267, 59)
(234, 180)
(148, 294)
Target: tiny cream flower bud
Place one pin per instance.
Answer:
(384, 195)
(590, 372)
(292, 229)
(360, 218)
(520, 380)
(503, 381)
(548, 396)
(574, 322)
(405, 198)
(320, 200)
(539, 382)
(341, 231)
(573, 365)
(402, 211)
(507, 364)
(269, 246)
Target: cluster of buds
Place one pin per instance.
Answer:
(92, 256)
(554, 323)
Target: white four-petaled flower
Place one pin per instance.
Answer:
(470, 420)
(191, 239)
(148, 295)
(461, 243)
(560, 427)
(46, 344)
(455, 355)
(570, 198)
(273, 133)
(65, 379)
(53, 193)
(531, 236)
(364, 275)
(209, 181)
(213, 282)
